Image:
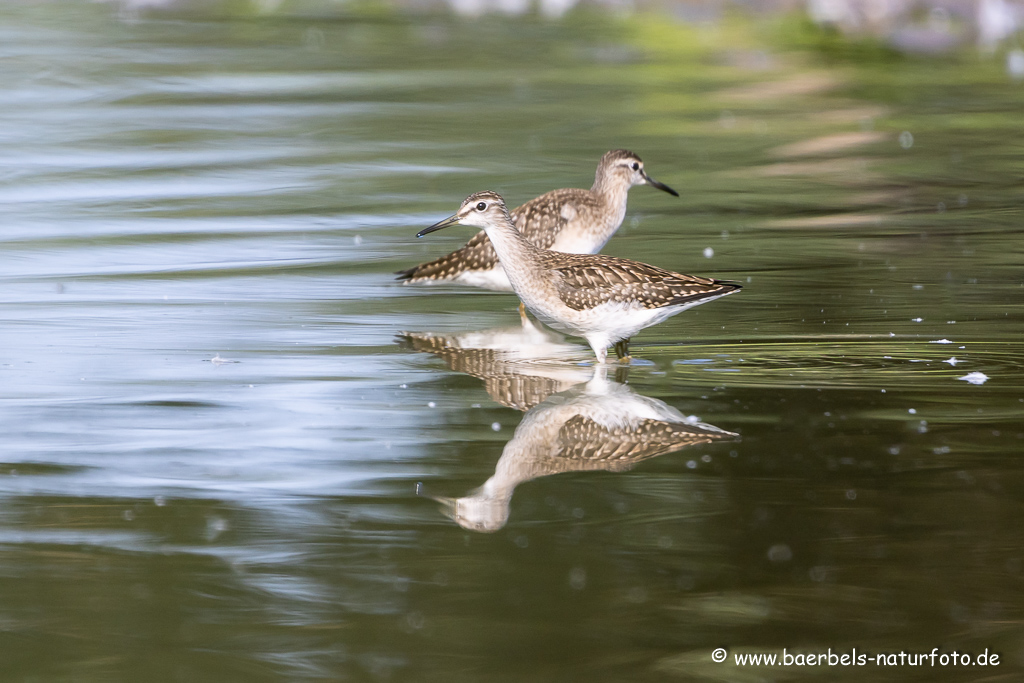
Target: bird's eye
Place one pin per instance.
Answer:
(481, 206)
(636, 166)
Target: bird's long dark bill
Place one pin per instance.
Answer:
(661, 186)
(451, 220)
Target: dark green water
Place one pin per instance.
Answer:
(183, 190)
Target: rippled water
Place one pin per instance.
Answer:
(235, 449)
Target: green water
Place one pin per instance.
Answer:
(233, 445)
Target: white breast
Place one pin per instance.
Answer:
(578, 238)
(575, 242)
(493, 279)
(612, 321)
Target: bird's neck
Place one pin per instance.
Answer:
(612, 192)
(518, 255)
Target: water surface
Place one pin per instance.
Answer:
(233, 445)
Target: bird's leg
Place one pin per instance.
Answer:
(622, 374)
(522, 313)
(622, 350)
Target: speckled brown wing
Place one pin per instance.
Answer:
(476, 362)
(585, 281)
(477, 254)
(540, 220)
(582, 440)
(510, 389)
(522, 392)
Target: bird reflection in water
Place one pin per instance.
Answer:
(520, 365)
(576, 418)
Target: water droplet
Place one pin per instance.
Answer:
(1015, 64)
(780, 552)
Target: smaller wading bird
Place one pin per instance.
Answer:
(571, 220)
(604, 299)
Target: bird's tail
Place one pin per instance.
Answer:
(438, 270)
